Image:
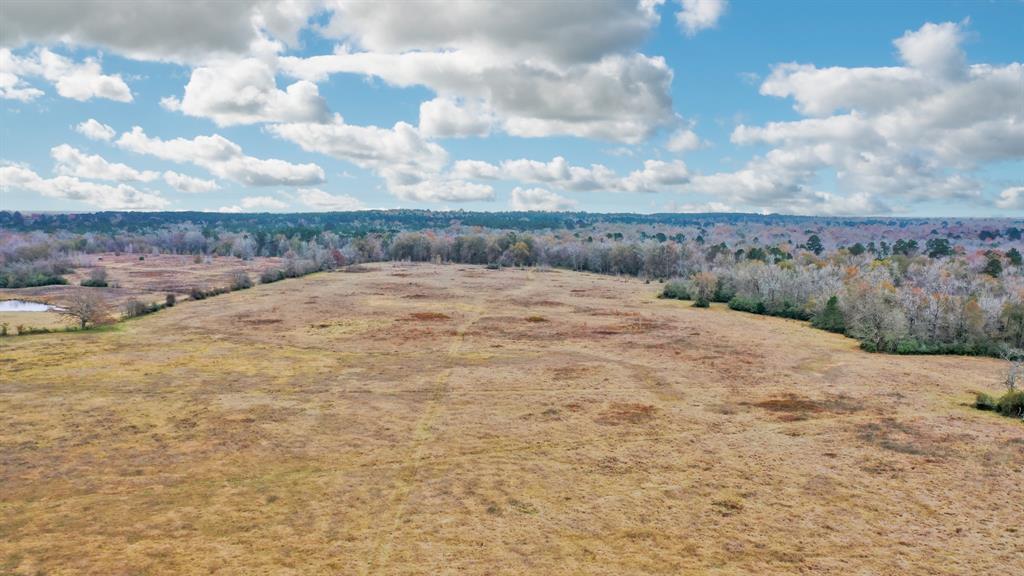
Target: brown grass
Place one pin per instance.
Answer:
(317, 426)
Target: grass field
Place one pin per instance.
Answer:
(444, 419)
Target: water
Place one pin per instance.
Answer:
(23, 306)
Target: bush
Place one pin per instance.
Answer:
(134, 308)
(240, 281)
(702, 303)
(751, 305)
(268, 276)
(170, 300)
(1011, 404)
(676, 290)
(97, 278)
(830, 318)
(984, 402)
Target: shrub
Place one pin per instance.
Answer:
(134, 308)
(240, 281)
(676, 290)
(701, 303)
(984, 402)
(170, 300)
(751, 305)
(830, 318)
(268, 276)
(97, 278)
(1011, 404)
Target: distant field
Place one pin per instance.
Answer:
(148, 280)
(430, 419)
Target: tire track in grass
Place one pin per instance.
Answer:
(409, 475)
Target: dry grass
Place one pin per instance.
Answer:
(309, 427)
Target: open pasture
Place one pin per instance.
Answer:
(422, 419)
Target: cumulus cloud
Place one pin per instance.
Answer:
(245, 92)
(14, 88)
(697, 15)
(79, 81)
(531, 69)
(184, 32)
(222, 158)
(412, 167)
(565, 32)
(95, 130)
(539, 199)
(619, 97)
(683, 140)
(189, 184)
(321, 201)
(255, 204)
(1011, 198)
(656, 175)
(451, 118)
(71, 161)
(888, 135)
(103, 196)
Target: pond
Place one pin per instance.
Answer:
(24, 306)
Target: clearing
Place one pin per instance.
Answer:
(422, 419)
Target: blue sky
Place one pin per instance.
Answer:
(911, 108)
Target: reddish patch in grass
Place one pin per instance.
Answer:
(429, 316)
(626, 413)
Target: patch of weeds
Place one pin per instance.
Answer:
(728, 506)
(1010, 404)
(536, 319)
(429, 316)
(522, 507)
(896, 437)
(627, 413)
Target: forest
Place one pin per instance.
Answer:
(911, 286)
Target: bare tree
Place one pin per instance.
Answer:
(1016, 370)
(86, 307)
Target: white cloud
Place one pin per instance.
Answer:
(565, 32)
(222, 158)
(539, 199)
(14, 88)
(95, 130)
(189, 184)
(707, 207)
(245, 92)
(103, 196)
(888, 136)
(187, 32)
(255, 204)
(412, 167)
(451, 118)
(324, 201)
(655, 176)
(697, 15)
(78, 81)
(1011, 198)
(532, 69)
(683, 140)
(619, 97)
(73, 162)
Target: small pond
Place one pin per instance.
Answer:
(24, 306)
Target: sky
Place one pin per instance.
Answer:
(831, 108)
